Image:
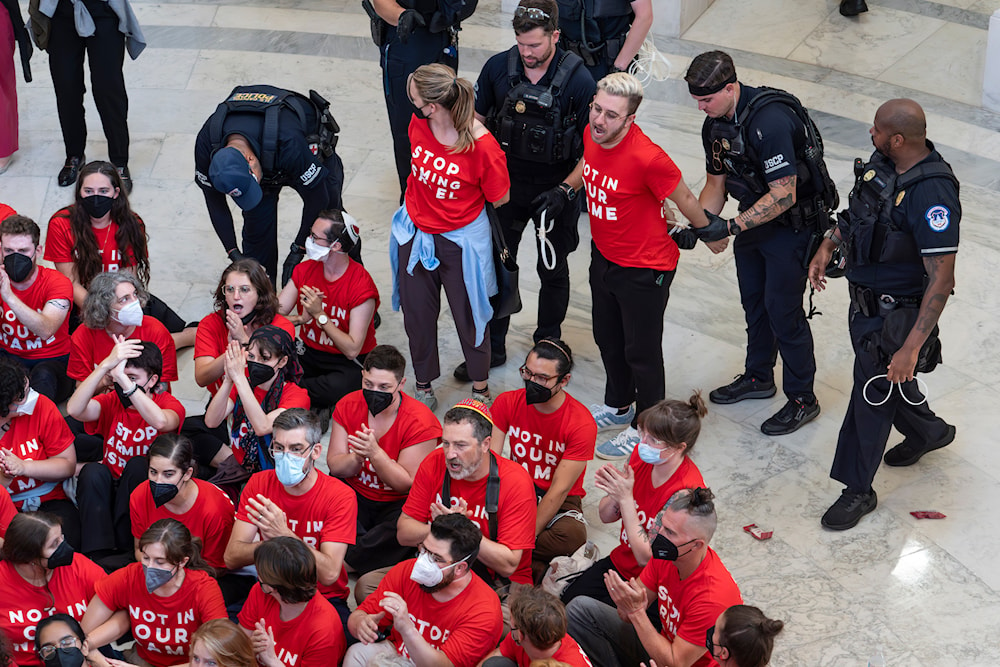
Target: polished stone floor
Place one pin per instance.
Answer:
(925, 592)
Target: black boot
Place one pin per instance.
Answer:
(853, 7)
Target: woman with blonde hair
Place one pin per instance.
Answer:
(441, 234)
(222, 643)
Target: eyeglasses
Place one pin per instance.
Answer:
(644, 436)
(438, 560)
(47, 651)
(610, 116)
(243, 289)
(536, 377)
(533, 13)
(294, 450)
(709, 644)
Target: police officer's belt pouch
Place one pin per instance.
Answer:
(896, 326)
(507, 300)
(379, 27)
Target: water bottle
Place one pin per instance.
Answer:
(877, 659)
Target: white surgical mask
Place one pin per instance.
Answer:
(27, 406)
(427, 573)
(315, 251)
(131, 314)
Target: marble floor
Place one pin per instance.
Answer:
(922, 592)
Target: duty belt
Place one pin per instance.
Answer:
(871, 304)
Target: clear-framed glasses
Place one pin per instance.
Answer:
(610, 116)
(49, 650)
(299, 450)
(242, 289)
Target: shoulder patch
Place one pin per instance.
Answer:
(938, 218)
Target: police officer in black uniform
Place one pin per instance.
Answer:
(607, 34)
(901, 237)
(411, 33)
(534, 100)
(759, 161)
(260, 139)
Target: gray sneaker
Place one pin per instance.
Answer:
(427, 397)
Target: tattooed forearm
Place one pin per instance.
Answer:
(778, 199)
(940, 281)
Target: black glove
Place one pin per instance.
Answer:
(439, 22)
(551, 202)
(717, 229)
(235, 255)
(293, 259)
(685, 238)
(407, 23)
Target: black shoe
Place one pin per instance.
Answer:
(853, 7)
(462, 373)
(126, 179)
(790, 418)
(906, 453)
(849, 508)
(69, 172)
(744, 386)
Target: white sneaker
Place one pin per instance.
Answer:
(427, 397)
(620, 446)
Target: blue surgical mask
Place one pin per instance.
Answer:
(289, 468)
(649, 454)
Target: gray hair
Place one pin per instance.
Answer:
(101, 296)
(294, 418)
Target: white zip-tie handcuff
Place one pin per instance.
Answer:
(919, 381)
(547, 250)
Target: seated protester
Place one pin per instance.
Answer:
(552, 435)
(100, 232)
(174, 493)
(38, 572)
(260, 384)
(172, 586)
(60, 640)
(36, 450)
(127, 420)
(538, 632)
(297, 500)
(35, 303)
(336, 300)
(7, 512)
(221, 643)
(742, 637)
(288, 621)
(685, 579)
(378, 438)
(432, 610)
(657, 469)
(456, 477)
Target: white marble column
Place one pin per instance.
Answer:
(671, 18)
(991, 73)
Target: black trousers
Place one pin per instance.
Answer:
(376, 546)
(398, 62)
(69, 515)
(769, 267)
(628, 308)
(47, 376)
(553, 294)
(328, 377)
(105, 51)
(866, 428)
(103, 503)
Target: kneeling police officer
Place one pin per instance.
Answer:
(260, 139)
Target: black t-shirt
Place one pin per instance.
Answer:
(929, 210)
(492, 88)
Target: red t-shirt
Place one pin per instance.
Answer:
(515, 511)
(6, 212)
(213, 337)
(92, 346)
(7, 512)
(626, 186)
(125, 432)
(446, 191)
(22, 605)
(15, 338)
(162, 626)
(414, 423)
(328, 512)
(539, 441)
(59, 241)
(465, 628)
(340, 297)
(569, 652)
(211, 518)
(688, 607)
(314, 638)
(41, 435)
(649, 500)
(292, 396)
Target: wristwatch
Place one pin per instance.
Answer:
(322, 319)
(568, 190)
(734, 227)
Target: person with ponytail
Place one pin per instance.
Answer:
(742, 637)
(166, 598)
(441, 234)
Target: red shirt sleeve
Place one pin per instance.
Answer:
(341, 524)
(210, 339)
(81, 354)
(7, 512)
(426, 484)
(153, 331)
(293, 396)
(496, 179)
(210, 602)
(253, 608)
(59, 238)
(114, 589)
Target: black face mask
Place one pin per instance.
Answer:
(377, 401)
(247, 319)
(97, 206)
(18, 267)
(162, 493)
(536, 393)
(664, 549)
(419, 111)
(259, 373)
(65, 657)
(126, 401)
(63, 555)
